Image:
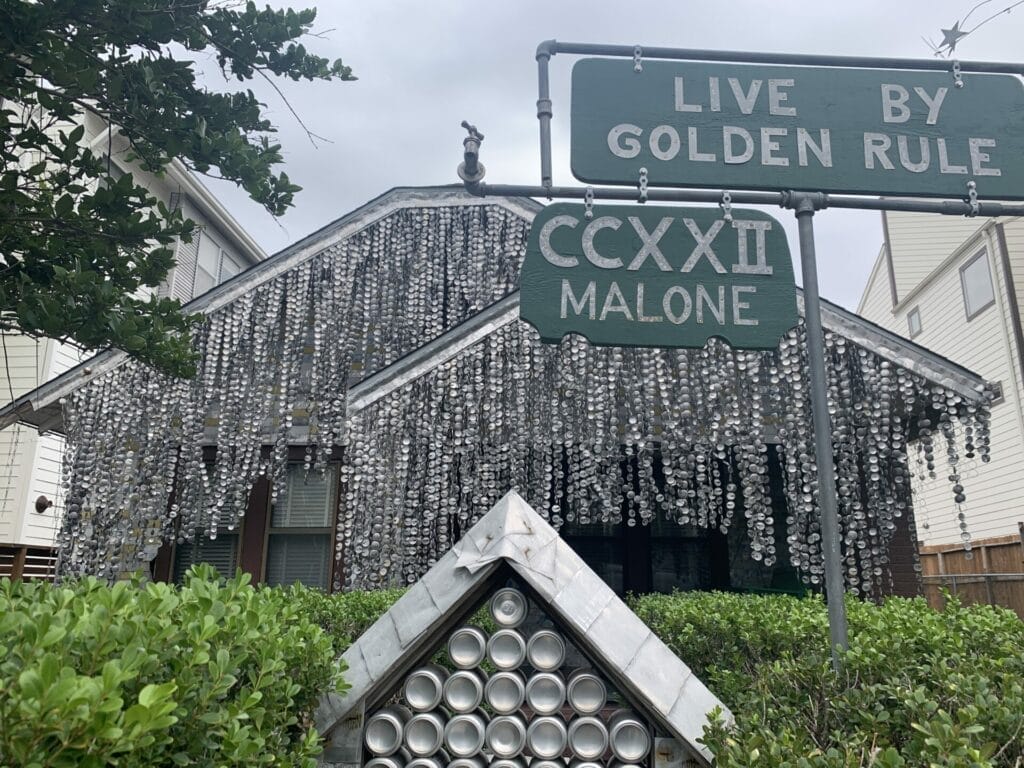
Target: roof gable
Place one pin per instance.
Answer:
(512, 533)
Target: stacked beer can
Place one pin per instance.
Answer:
(531, 706)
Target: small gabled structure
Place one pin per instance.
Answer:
(512, 539)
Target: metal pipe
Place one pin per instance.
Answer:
(783, 199)
(801, 59)
(544, 112)
(805, 206)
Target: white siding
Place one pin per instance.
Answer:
(986, 345)
(877, 299)
(920, 242)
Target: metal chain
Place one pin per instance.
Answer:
(638, 55)
(972, 199)
(588, 203)
(726, 205)
(958, 81)
(643, 185)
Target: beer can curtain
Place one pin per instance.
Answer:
(585, 434)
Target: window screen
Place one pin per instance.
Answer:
(977, 284)
(208, 266)
(299, 539)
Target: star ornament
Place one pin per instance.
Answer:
(950, 37)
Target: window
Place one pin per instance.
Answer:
(914, 321)
(214, 265)
(299, 537)
(221, 553)
(976, 282)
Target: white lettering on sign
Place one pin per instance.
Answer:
(678, 305)
(650, 245)
(783, 146)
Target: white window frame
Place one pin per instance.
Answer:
(915, 312)
(223, 257)
(973, 312)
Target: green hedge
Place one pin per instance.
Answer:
(215, 673)
(219, 673)
(921, 687)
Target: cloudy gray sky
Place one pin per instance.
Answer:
(423, 67)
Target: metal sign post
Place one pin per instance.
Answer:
(901, 153)
(805, 206)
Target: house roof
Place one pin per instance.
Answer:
(513, 533)
(41, 407)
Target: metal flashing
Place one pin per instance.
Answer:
(512, 533)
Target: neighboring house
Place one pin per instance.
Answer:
(369, 392)
(31, 501)
(954, 285)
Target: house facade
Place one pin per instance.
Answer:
(954, 285)
(31, 498)
(367, 394)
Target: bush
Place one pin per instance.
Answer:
(920, 687)
(212, 673)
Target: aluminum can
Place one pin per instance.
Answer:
(620, 764)
(546, 737)
(509, 607)
(545, 650)
(506, 649)
(545, 693)
(463, 691)
(556, 762)
(629, 738)
(506, 736)
(467, 647)
(424, 733)
(505, 692)
(588, 738)
(508, 762)
(440, 760)
(468, 762)
(397, 760)
(385, 730)
(585, 764)
(423, 687)
(586, 693)
(464, 735)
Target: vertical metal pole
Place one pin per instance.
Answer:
(544, 111)
(823, 453)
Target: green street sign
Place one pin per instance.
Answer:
(860, 131)
(647, 276)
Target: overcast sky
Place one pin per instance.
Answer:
(423, 67)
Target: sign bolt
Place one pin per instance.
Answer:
(726, 205)
(638, 55)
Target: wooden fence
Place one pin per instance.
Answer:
(994, 575)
